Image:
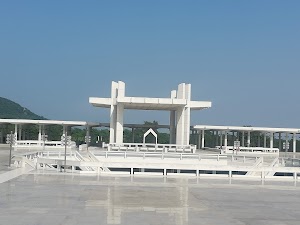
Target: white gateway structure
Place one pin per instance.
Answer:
(179, 105)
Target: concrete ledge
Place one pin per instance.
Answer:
(148, 174)
(181, 175)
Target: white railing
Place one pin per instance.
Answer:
(36, 143)
(140, 147)
(248, 150)
(196, 168)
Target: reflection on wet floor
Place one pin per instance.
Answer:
(74, 199)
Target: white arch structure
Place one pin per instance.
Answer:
(179, 105)
(150, 131)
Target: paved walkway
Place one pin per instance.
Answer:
(4, 155)
(7, 173)
(47, 199)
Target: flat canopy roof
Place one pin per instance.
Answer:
(237, 128)
(149, 103)
(48, 122)
(130, 125)
(75, 123)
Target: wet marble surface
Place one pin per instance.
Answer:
(73, 199)
(4, 157)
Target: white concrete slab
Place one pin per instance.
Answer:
(47, 199)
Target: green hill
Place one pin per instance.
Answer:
(12, 110)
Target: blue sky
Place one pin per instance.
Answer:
(244, 56)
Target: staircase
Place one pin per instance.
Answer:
(89, 157)
(264, 162)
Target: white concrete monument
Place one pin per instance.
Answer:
(179, 105)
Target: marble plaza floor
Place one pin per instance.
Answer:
(4, 157)
(42, 199)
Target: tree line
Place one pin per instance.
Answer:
(212, 138)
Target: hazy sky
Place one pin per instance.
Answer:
(244, 56)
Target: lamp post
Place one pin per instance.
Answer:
(286, 147)
(65, 141)
(44, 138)
(87, 141)
(10, 139)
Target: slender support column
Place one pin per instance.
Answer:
(20, 132)
(203, 139)
(173, 120)
(87, 141)
(280, 142)
(294, 143)
(199, 139)
(40, 135)
(65, 128)
(217, 138)
(16, 132)
(271, 140)
(286, 142)
(232, 137)
(225, 140)
(265, 140)
(221, 138)
(243, 139)
(132, 133)
(1, 135)
(249, 139)
(23, 135)
(172, 127)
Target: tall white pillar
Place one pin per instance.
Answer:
(180, 116)
(180, 126)
(249, 139)
(203, 139)
(294, 143)
(120, 114)
(172, 127)
(119, 127)
(265, 140)
(173, 120)
(183, 116)
(113, 113)
(225, 140)
(187, 115)
(271, 140)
